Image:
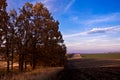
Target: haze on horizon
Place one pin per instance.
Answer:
(88, 26)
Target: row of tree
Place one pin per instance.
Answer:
(30, 36)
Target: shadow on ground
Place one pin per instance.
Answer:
(90, 69)
(90, 74)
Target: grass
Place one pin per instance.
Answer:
(41, 73)
(102, 56)
(48, 73)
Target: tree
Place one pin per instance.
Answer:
(12, 34)
(40, 30)
(25, 28)
(4, 29)
(47, 33)
(33, 34)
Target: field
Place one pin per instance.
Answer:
(102, 56)
(91, 67)
(77, 67)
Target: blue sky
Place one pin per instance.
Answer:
(88, 26)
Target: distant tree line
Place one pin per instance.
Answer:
(31, 36)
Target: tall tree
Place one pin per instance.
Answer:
(33, 34)
(39, 29)
(12, 34)
(4, 21)
(24, 33)
(47, 33)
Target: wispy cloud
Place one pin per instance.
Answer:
(15, 4)
(94, 43)
(103, 30)
(69, 5)
(50, 4)
(95, 30)
(54, 6)
(89, 20)
(98, 45)
(73, 35)
(99, 20)
(103, 18)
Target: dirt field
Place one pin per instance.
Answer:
(92, 63)
(91, 69)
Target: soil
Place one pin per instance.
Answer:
(90, 69)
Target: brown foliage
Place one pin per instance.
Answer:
(33, 35)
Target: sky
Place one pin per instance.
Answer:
(87, 26)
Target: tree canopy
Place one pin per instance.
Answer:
(31, 36)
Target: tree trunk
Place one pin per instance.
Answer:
(25, 65)
(8, 67)
(12, 59)
(33, 62)
(21, 61)
(7, 55)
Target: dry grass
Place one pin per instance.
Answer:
(41, 73)
(3, 64)
(38, 74)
